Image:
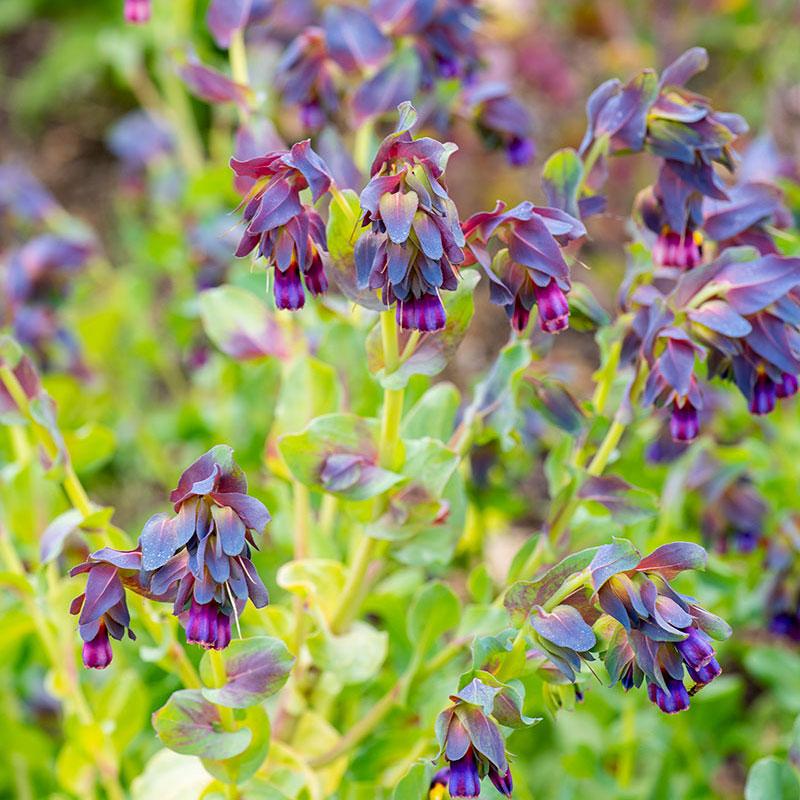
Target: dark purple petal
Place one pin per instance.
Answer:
(103, 590)
(718, 316)
(694, 60)
(97, 652)
(464, 780)
(230, 530)
(670, 559)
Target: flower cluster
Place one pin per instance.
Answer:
(669, 121)
(740, 313)
(525, 265)
(198, 560)
(416, 241)
(646, 629)
(471, 740)
(660, 633)
(288, 234)
(137, 12)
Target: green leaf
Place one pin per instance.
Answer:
(190, 725)
(771, 779)
(242, 767)
(626, 503)
(255, 668)
(240, 324)
(170, 776)
(90, 446)
(435, 610)
(415, 784)
(561, 180)
(310, 390)
(318, 579)
(353, 657)
(308, 455)
(433, 414)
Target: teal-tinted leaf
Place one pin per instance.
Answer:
(242, 767)
(771, 779)
(554, 401)
(494, 405)
(255, 668)
(488, 652)
(170, 776)
(429, 463)
(308, 455)
(434, 610)
(565, 627)
(507, 703)
(619, 556)
(190, 725)
(586, 314)
(479, 694)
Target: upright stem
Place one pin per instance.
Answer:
(220, 679)
(349, 602)
(238, 58)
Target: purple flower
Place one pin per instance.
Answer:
(137, 11)
(472, 757)
(22, 195)
(672, 700)
(290, 236)
(502, 122)
(520, 251)
(102, 606)
(762, 400)
(684, 425)
(416, 239)
(140, 138)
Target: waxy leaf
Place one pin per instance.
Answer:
(507, 703)
(564, 627)
(771, 779)
(672, 558)
(354, 657)
(479, 694)
(243, 766)
(756, 284)
(159, 541)
(190, 725)
(619, 556)
(56, 532)
(255, 668)
(308, 455)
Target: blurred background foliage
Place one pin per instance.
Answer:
(154, 392)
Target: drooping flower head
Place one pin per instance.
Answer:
(102, 606)
(197, 559)
(289, 235)
(663, 636)
(520, 250)
(473, 745)
(416, 239)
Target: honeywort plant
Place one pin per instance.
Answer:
(370, 677)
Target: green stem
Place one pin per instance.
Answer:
(226, 719)
(598, 148)
(349, 602)
(363, 727)
(302, 519)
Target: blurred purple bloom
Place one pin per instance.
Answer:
(226, 17)
(139, 138)
(22, 195)
(211, 86)
(502, 121)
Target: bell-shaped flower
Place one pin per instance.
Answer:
(416, 241)
(520, 250)
(289, 235)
